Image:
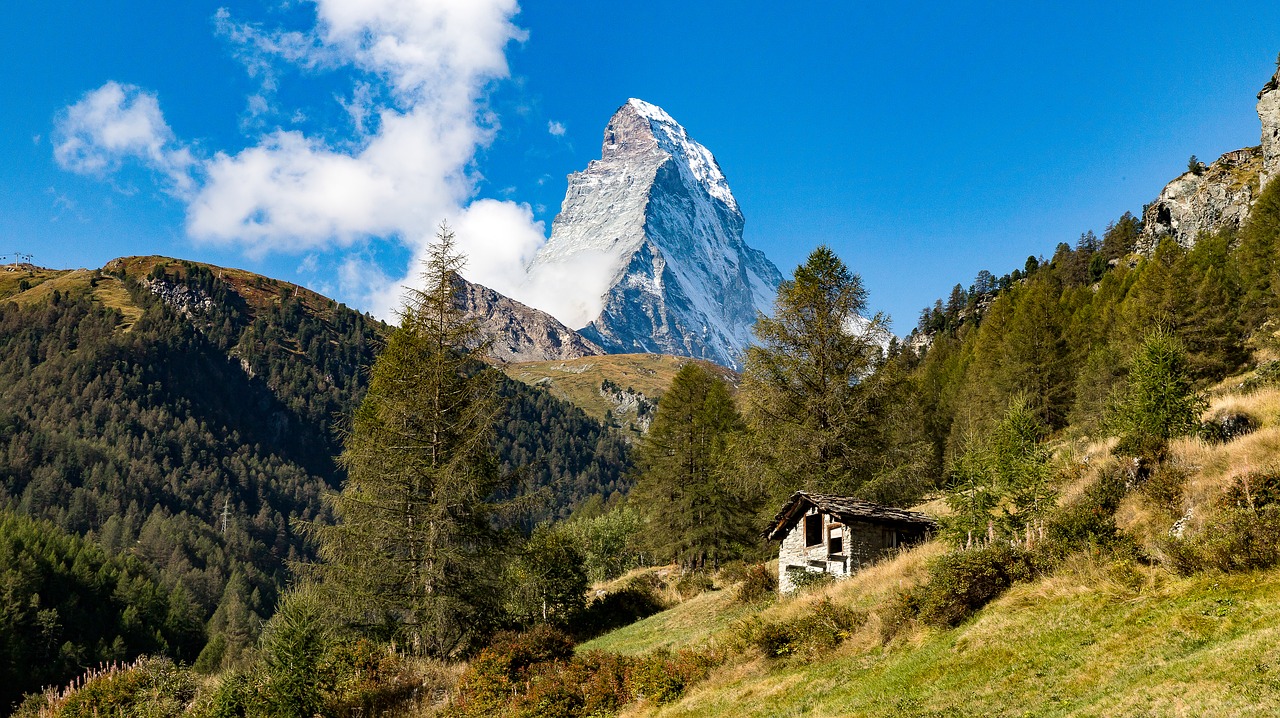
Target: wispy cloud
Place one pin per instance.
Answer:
(555, 128)
(118, 123)
(420, 71)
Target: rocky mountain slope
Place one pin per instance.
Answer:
(520, 333)
(654, 225)
(1222, 194)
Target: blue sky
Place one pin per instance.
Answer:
(922, 141)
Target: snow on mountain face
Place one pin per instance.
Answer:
(647, 250)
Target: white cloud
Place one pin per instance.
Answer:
(115, 123)
(418, 117)
(556, 128)
(417, 134)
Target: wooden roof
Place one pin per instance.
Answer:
(845, 509)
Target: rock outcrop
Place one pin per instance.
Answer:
(1222, 195)
(518, 333)
(653, 224)
(1219, 196)
(1269, 114)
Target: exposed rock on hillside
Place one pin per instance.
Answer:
(1217, 197)
(655, 221)
(520, 333)
(1269, 113)
(1223, 194)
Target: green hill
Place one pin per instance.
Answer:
(189, 415)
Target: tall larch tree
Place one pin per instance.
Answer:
(412, 554)
(696, 513)
(814, 408)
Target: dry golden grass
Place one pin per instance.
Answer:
(578, 380)
(12, 276)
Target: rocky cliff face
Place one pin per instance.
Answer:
(1269, 113)
(1223, 194)
(519, 333)
(1217, 197)
(654, 223)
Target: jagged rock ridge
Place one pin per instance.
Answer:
(518, 333)
(1223, 194)
(655, 214)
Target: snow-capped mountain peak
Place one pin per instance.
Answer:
(674, 139)
(647, 251)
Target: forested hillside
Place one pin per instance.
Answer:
(183, 417)
(1059, 332)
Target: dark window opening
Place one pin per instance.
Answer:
(813, 530)
(835, 545)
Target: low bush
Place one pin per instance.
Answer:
(821, 628)
(810, 580)
(962, 582)
(758, 584)
(1243, 531)
(1227, 427)
(533, 676)
(896, 613)
(1087, 523)
(152, 687)
(693, 583)
(634, 601)
(732, 572)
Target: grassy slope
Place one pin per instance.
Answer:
(1087, 641)
(257, 291)
(578, 380)
(1096, 638)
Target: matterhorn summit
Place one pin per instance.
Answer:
(647, 251)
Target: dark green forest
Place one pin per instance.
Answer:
(189, 439)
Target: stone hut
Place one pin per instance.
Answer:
(838, 534)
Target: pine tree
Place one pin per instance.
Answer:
(695, 514)
(1159, 402)
(1002, 481)
(814, 408)
(412, 552)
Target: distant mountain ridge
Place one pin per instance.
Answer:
(520, 333)
(654, 219)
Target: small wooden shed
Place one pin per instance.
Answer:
(839, 534)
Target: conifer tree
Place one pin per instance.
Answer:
(814, 406)
(696, 514)
(1159, 402)
(1258, 257)
(412, 552)
(1002, 481)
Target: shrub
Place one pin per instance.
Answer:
(732, 572)
(822, 628)
(1164, 488)
(758, 584)
(1089, 522)
(502, 681)
(151, 687)
(622, 607)
(962, 582)
(662, 676)
(810, 580)
(896, 613)
(1244, 531)
(693, 583)
(1226, 427)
